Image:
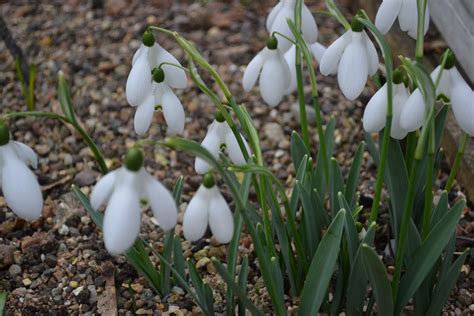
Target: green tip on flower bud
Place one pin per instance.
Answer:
(398, 76)
(359, 226)
(134, 159)
(450, 59)
(158, 74)
(220, 117)
(272, 42)
(208, 180)
(4, 134)
(357, 25)
(148, 39)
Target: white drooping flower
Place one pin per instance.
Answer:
(353, 57)
(208, 207)
(275, 77)
(122, 190)
(407, 13)
(218, 135)
(19, 185)
(462, 102)
(150, 62)
(452, 85)
(277, 22)
(375, 113)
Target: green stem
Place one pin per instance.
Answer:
(457, 162)
(428, 206)
(335, 12)
(420, 34)
(49, 115)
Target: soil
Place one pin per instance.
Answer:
(58, 265)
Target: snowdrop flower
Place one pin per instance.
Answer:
(208, 206)
(122, 191)
(275, 76)
(462, 101)
(20, 187)
(277, 22)
(450, 84)
(145, 93)
(407, 13)
(218, 135)
(376, 111)
(353, 57)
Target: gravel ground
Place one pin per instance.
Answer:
(58, 264)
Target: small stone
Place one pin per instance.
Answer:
(14, 270)
(471, 307)
(77, 291)
(85, 178)
(73, 284)
(6, 255)
(63, 230)
(202, 262)
(177, 290)
(86, 220)
(203, 253)
(27, 282)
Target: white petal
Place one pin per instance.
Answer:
(212, 143)
(318, 51)
(280, 25)
(290, 58)
(252, 71)
(462, 101)
(162, 203)
(376, 111)
(387, 14)
(353, 69)
(444, 86)
(140, 51)
(20, 187)
(174, 76)
(372, 57)
(26, 154)
(427, 19)
(173, 112)
(122, 219)
(144, 115)
(408, 16)
(103, 189)
(413, 114)
(274, 79)
(196, 215)
(309, 29)
(138, 81)
(271, 16)
(221, 221)
(233, 148)
(333, 54)
(401, 95)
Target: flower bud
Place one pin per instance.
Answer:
(134, 159)
(4, 134)
(208, 180)
(357, 25)
(272, 43)
(148, 38)
(359, 226)
(450, 59)
(158, 74)
(219, 117)
(398, 76)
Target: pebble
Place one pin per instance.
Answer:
(63, 230)
(73, 284)
(26, 282)
(14, 270)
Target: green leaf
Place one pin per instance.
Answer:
(322, 267)
(202, 292)
(65, 100)
(375, 271)
(3, 300)
(445, 285)
(178, 258)
(31, 88)
(353, 177)
(351, 229)
(426, 255)
(178, 189)
(165, 273)
(309, 222)
(336, 185)
(300, 176)
(298, 149)
(243, 275)
(319, 169)
(440, 210)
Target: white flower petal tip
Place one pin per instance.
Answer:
(333, 53)
(144, 115)
(138, 81)
(386, 15)
(19, 184)
(123, 190)
(275, 75)
(173, 112)
(413, 113)
(208, 207)
(462, 101)
(407, 13)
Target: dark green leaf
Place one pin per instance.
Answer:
(353, 177)
(298, 149)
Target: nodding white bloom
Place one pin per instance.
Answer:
(452, 85)
(375, 113)
(208, 206)
(277, 22)
(462, 101)
(122, 190)
(275, 75)
(353, 57)
(407, 13)
(19, 184)
(149, 85)
(218, 135)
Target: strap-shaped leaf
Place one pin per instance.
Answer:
(298, 149)
(321, 268)
(353, 177)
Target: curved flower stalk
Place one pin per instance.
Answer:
(18, 183)
(275, 75)
(451, 84)
(375, 113)
(122, 190)
(277, 22)
(353, 57)
(208, 206)
(154, 72)
(407, 13)
(218, 135)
